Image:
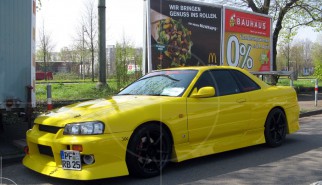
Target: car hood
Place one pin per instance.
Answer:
(97, 110)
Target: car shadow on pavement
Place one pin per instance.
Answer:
(212, 165)
(223, 163)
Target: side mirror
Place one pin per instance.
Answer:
(204, 92)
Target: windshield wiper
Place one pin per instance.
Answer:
(126, 94)
(157, 94)
(171, 78)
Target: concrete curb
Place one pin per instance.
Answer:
(311, 113)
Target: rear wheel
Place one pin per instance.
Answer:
(275, 128)
(149, 151)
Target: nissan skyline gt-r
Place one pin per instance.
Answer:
(169, 115)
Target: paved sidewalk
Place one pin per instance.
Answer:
(12, 141)
(307, 104)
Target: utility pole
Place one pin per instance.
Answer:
(288, 48)
(102, 43)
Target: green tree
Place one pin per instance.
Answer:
(317, 59)
(138, 62)
(318, 71)
(124, 54)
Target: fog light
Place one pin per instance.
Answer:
(88, 159)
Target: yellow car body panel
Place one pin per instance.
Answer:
(198, 126)
(108, 149)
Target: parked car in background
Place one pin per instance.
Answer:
(167, 115)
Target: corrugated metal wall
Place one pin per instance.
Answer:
(16, 49)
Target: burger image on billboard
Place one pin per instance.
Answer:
(176, 37)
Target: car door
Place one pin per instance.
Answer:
(224, 116)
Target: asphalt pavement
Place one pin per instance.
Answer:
(297, 162)
(12, 141)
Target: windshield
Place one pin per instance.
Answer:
(161, 83)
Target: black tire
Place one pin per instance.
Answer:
(275, 128)
(149, 151)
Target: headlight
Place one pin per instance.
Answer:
(85, 128)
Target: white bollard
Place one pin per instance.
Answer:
(49, 102)
(316, 90)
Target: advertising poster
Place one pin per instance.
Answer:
(247, 42)
(184, 34)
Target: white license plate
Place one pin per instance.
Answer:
(71, 160)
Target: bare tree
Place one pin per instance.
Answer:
(285, 45)
(297, 57)
(70, 55)
(281, 58)
(89, 29)
(307, 49)
(45, 45)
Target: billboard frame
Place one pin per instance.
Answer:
(223, 31)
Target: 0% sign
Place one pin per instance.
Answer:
(238, 54)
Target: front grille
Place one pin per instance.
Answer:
(45, 150)
(50, 129)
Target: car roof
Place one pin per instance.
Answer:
(201, 68)
(205, 68)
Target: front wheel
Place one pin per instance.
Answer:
(149, 151)
(275, 128)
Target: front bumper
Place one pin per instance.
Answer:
(109, 151)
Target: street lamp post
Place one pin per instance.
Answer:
(102, 43)
(288, 49)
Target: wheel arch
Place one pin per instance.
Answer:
(155, 123)
(129, 160)
(283, 110)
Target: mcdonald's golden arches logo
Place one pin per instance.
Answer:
(212, 59)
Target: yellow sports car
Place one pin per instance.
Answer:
(168, 115)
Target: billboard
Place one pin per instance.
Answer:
(184, 34)
(247, 40)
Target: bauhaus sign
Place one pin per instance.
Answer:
(247, 41)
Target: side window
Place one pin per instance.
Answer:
(206, 79)
(246, 83)
(226, 84)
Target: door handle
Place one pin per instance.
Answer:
(242, 100)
